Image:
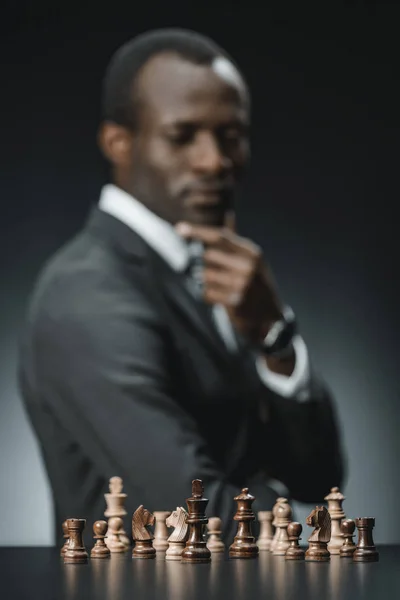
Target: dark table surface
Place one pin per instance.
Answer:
(30, 573)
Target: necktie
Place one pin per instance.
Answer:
(195, 269)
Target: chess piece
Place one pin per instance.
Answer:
(266, 531)
(365, 550)
(335, 499)
(317, 550)
(115, 544)
(76, 551)
(115, 501)
(214, 542)
(141, 519)
(178, 538)
(274, 509)
(244, 544)
(196, 550)
(66, 538)
(347, 528)
(282, 519)
(100, 550)
(160, 530)
(294, 552)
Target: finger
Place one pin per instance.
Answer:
(214, 295)
(224, 280)
(231, 262)
(208, 235)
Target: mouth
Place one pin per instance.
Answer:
(207, 197)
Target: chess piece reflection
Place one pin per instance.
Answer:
(76, 551)
(347, 527)
(244, 544)
(365, 550)
(283, 517)
(115, 501)
(335, 500)
(294, 552)
(215, 543)
(160, 530)
(115, 526)
(266, 531)
(141, 519)
(178, 538)
(100, 550)
(196, 550)
(66, 538)
(320, 519)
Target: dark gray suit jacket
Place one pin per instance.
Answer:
(123, 373)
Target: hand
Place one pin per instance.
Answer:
(236, 276)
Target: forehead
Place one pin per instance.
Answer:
(171, 88)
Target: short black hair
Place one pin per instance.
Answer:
(118, 103)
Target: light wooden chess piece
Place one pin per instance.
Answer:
(160, 531)
(266, 531)
(335, 499)
(294, 552)
(76, 551)
(178, 538)
(274, 509)
(244, 544)
(100, 550)
(214, 542)
(115, 526)
(141, 519)
(66, 538)
(115, 501)
(347, 527)
(320, 519)
(282, 520)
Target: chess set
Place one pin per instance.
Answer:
(195, 537)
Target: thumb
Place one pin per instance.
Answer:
(230, 221)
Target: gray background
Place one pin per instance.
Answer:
(319, 201)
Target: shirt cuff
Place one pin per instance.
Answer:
(296, 385)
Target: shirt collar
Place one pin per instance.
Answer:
(159, 234)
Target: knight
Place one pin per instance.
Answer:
(143, 538)
(317, 550)
(178, 538)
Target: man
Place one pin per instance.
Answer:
(157, 346)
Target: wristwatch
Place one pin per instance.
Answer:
(278, 341)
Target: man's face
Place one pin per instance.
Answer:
(191, 144)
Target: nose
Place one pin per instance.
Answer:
(207, 155)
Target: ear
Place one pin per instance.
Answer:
(115, 142)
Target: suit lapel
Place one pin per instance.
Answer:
(197, 314)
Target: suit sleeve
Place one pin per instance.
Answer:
(105, 371)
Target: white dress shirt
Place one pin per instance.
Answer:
(162, 237)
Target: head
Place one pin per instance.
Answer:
(175, 125)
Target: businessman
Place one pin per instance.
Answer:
(157, 346)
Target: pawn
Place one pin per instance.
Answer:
(66, 538)
(215, 543)
(100, 550)
(282, 519)
(347, 528)
(294, 552)
(160, 530)
(115, 526)
(244, 545)
(365, 550)
(266, 530)
(76, 551)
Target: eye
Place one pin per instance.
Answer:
(179, 138)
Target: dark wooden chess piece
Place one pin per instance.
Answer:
(141, 519)
(317, 550)
(66, 538)
(244, 544)
(76, 551)
(347, 528)
(294, 552)
(365, 550)
(100, 549)
(196, 550)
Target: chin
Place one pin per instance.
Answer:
(210, 218)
